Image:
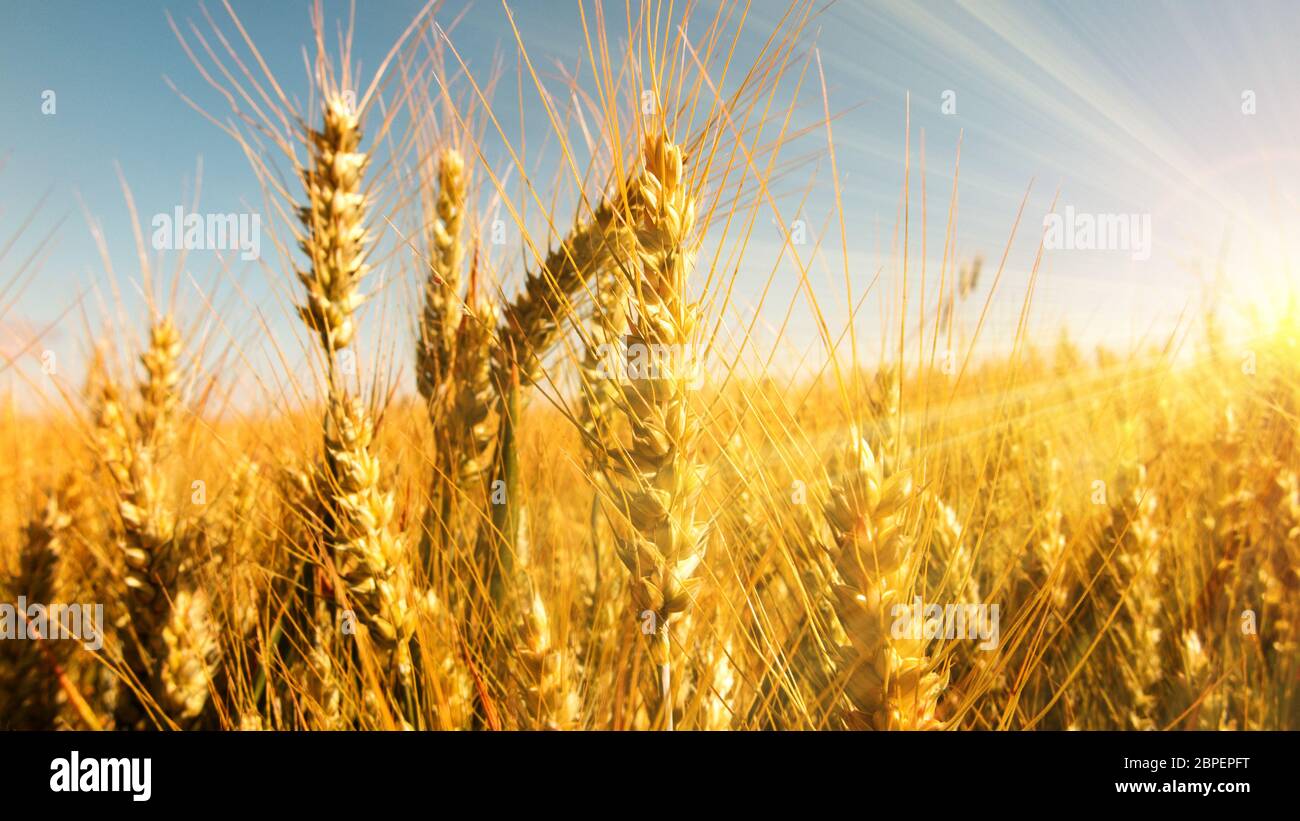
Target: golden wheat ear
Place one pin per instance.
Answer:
(534, 321)
(171, 648)
(545, 697)
(1139, 563)
(475, 414)
(28, 686)
(650, 488)
(334, 219)
(457, 340)
(373, 562)
(441, 317)
(890, 681)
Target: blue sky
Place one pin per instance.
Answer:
(1123, 107)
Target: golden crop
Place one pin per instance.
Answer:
(529, 540)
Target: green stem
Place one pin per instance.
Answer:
(505, 516)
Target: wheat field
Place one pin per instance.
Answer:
(579, 487)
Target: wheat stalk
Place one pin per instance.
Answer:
(717, 679)
(373, 561)
(173, 647)
(320, 675)
(952, 567)
(28, 696)
(651, 488)
(1049, 548)
(600, 391)
(475, 413)
(188, 648)
(547, 699)
(441, 318)
(337, 239)
(235, 527)
(1280, 573)
(890, 681)
(148, 521)
(1201, 698)
(1139, 564)
(532, 322)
